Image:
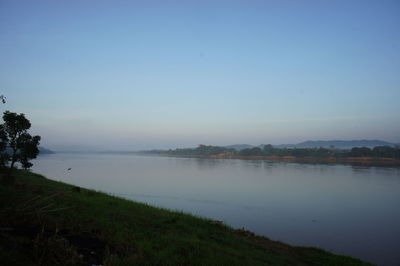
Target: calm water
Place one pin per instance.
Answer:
(344, 209)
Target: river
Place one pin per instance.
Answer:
(349, 210)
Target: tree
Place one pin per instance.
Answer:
(256, 151)
(17, 145)
(268, 150)
(360, 152)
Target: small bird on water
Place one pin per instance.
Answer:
(69, 169)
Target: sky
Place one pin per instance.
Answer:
(132, 75)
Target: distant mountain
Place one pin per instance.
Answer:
(45, 151)
(340, 144)
(239, 147)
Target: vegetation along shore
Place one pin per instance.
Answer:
(377, 156)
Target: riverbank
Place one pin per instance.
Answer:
(44, 222)
(361, 161)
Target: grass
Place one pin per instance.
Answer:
(44, 222)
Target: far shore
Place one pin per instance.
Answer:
(362, 161)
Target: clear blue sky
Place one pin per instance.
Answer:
(156, 74)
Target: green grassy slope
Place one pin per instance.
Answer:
(43, 222)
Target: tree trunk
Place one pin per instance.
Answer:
(8, 178)
(13, 159)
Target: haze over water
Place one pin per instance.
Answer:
(345, 209)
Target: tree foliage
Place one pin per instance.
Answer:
(200, 150)
(16, 144)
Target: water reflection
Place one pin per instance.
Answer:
(201, 164)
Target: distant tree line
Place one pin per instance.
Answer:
(379, 151)
(269, 150)
(200, 150)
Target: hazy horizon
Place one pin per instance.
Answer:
(147, 147)
(132, 75)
